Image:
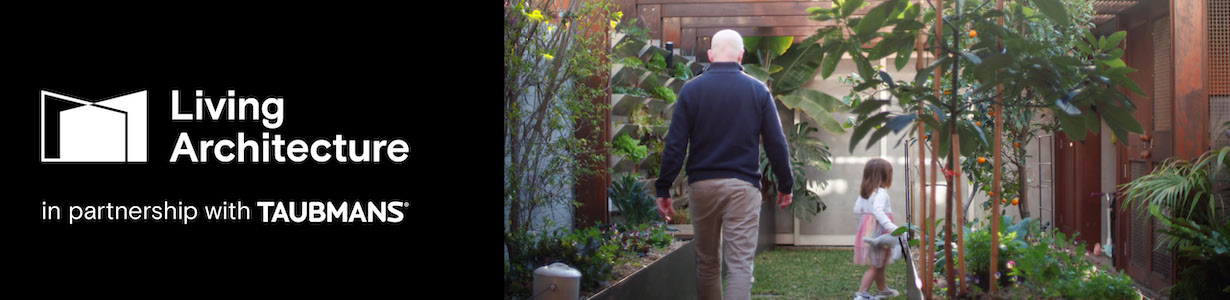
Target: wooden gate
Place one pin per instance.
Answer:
(1077, 180)
(1148, 50)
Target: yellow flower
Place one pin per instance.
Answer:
(550, 28)
(548, 56)
(619, 15)
(613, 24)
(536, 15)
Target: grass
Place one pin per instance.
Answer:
(816, 274)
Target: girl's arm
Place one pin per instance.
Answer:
(879, 202)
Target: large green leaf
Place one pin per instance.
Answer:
(773, 45)
(1091, 122)
(903, 55)
(1115, 38)
(1121, 116)
(864, 66)
(868, 106)
(874, 19)
(751, 43)
(1073, 126)
(971, 57)
(910, 13)
(831, 58)
(1055, 10)
(827, 101)
(968, 140)
(816, 105)
(778, 44)
(799, 66)
(849, 6)
(819, 34)
(756, 72)
(982, 136)
(992, 64)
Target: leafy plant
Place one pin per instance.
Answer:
(1035, 263)
(1181, 188)
(1181, 195)
(1207, 251)
(681, 216)
(629, 148)
(805, 152)
(682, 73)
(657, 63)
(633, 91)
(663, 92)
(631, 62)
(547, 59)
(590, 250)
(641, 238)
(633, 200)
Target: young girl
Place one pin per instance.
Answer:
(875, 218)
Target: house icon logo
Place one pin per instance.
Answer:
(75, 130)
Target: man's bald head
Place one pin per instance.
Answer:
(727, 46)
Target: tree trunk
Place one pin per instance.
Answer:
(1021, 180)
(1022, 177)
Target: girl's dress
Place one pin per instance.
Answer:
(875, 217)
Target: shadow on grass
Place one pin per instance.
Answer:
(816, 273)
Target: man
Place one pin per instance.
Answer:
(718, 122)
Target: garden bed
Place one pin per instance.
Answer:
(1032, 263)
(664, 273)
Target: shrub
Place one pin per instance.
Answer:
(642, 238)
(593, 251)
(633, 200)
(1042, 264)
(589, 250)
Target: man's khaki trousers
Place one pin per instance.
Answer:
(726, 217)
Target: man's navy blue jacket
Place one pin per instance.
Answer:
(718, 124)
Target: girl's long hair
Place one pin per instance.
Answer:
(877, 173)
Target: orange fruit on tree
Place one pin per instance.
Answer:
(1015, 201)
(990, 194)
(973, 33)
(977, 123)
(1017, 145)
(982, 160)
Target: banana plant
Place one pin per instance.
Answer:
(785, 67)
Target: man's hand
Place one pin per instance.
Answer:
(783, 200)
(664, 208)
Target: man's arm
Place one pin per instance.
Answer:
(673, 152)
(775, 144)
(674, 149)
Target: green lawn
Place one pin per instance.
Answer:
(816, 274)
